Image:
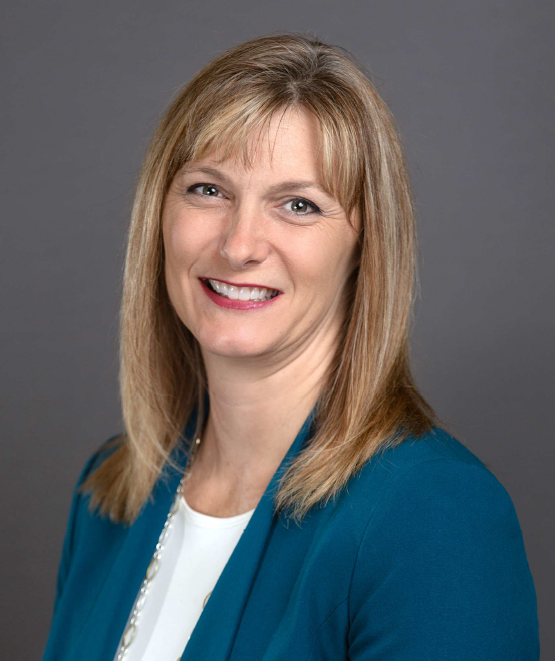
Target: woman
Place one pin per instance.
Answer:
(282, 490)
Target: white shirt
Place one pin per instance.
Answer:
(195, 553)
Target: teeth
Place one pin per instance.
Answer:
(242, 293)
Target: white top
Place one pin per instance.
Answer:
(195, 553)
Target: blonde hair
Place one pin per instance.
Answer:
(369, 401)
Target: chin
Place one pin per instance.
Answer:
(232, 345)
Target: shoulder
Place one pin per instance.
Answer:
(433, 445)
(440, 540)
(97, 457)
(437, 512)
(426, 498)
(79, 512)
(434, 466)
(80, 499)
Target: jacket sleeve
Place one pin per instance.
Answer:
(76, 504)
(442, 573)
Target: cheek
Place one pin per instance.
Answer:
(177, 242)
(179, 255)
(184, 241)
(320, 263)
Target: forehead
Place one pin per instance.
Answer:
(288, 142)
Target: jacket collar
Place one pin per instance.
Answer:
(215, 631)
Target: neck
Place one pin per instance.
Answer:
(255, 414)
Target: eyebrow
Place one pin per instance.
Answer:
(277, 188)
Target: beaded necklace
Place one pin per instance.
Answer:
(152, 569)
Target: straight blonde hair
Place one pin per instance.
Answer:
(368, 401)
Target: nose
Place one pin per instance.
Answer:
(243, 235)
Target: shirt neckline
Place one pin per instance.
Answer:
(207, 521)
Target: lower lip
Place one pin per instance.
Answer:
(224, 302)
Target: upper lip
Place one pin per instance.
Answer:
(242, 284)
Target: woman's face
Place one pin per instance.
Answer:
(259, 227)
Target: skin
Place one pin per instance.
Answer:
(265, 367)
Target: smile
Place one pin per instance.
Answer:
(236, 293)
(243, 298)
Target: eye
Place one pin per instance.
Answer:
(209, 187)
(303, 204)
(298, 201)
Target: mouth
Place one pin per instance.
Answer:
(250, 292)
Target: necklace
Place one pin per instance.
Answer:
(152, 569)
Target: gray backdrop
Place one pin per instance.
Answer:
(84, 83)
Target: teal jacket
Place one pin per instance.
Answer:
(420, 558)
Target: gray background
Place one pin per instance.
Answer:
(83, 85)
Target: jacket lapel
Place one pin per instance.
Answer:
(213, 636)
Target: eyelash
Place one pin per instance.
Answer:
(316, 209)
